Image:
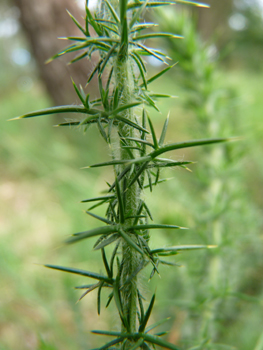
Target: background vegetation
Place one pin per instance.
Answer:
(42, 185)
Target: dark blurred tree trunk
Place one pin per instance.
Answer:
(215, 20)
(44, 21)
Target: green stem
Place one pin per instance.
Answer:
(130, 259)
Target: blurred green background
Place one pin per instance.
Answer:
(42, 185)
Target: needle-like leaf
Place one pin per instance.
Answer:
(107, 241)
(107, 197)
(91, 233)
(113, 12)
(149, 328)
(81, 273)
(157, 341)
(57, 110)
(111, 343)
(187, 144)
(157, 35)
(147, 315)
(158, 75)
(106, 221)
(137, 344)
(155, 142)
(181, 248)
(130, 241)
(155, 226)
(165, 126)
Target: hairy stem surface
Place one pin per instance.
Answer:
(130, 258)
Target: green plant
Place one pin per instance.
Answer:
(136, 161)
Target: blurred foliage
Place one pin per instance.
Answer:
(220, 197)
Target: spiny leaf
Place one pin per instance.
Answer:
(156, 76)
(138, 213)
(113, 12)
(135, 139)
(155, 142)
(107, 57)
(141, 67)
(129, 122)
(130, 241)
(187, 144)
(155, 226)
(141, 306)
(157, 341)
(99, 218)
(145, 346)
(150, 52)
(118, 303)
(147, 315)
(110, 333)
(101, 130)
(105, 261)
(109, 196)
(162, 137)
(124, 40)
(157, 175)
(138, 173)
(59, 54)
(93, 23)
(148, 210)
(182, 247)
(90, 289)
(195, 3)
(142, 26)
(161, 334)
(169, 164)
(111, 162)
(94, 71)
(55, 110)
(73, 38)
(137, 3)
(76, 22)
(157, 35)
(78, 57)
(109, 300)
(169, 263)
(137, 344)
(156, 96)
(81, 273)
(109, 78)
(99, 298)
(147, 98)
(97, 205)
(111, 343)
(120, 176)
(91, 233)
(107, 241)
(136, 16)
(85, 286)
(156, 324)
(124, 107)
(114, 253)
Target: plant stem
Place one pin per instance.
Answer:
(130, 259)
